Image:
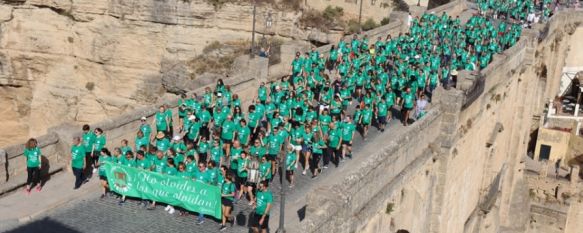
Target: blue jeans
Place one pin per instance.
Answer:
(78, 172)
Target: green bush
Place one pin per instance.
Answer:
(385, 21)
(352, 26)
(369, 24)
(333, 13)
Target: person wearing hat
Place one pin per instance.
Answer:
(177, 144)
(193, 132)
(145, 127)
(161, 142)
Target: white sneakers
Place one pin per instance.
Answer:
(94, 170)
(169, 209)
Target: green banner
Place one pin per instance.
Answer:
(188, 194)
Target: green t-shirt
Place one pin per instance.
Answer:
(77, 156)
(163, 144)
(348, 131)
(408, 99)
(243, 135)
(229, 128)
(146, 129)
(88, 141)
(241, 163)
(228, 188)
(102, 160)
(258, 151)
(144, 163)
(171, 171)
(144, 141)
(274, 144)
(382, 108)
(263, 199)
(334, 138)
(159, 164)
(290, 161)
(161, 122)
(265, 170)
(99, 142)
(32, 157)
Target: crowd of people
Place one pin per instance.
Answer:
(304, 122)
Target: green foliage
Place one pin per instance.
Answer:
(333, 13)
(385, 21)
(353, 26)
(369, 24)
(389, 208)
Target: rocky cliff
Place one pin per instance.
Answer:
(82, 60)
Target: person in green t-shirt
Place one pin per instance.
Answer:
(291, 160)
(33, 164)
(227, 134)
(161, 121)
(78, 154)
(381, 112)
(145, 127)
(318, 146)
(241, 178)
(141, 140)
(334, 153)
(99, 143)
(227, 198)
(348, 128)
(104, 157)
(260, 218)
(407, 105)
(265, 170)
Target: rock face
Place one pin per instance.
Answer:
(82, 60)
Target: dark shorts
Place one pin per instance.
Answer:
(228, 141)
(241, 181)
(382, 119)
(271, 157)
(347, 143)
(226, 202)
(255, 221)
(103, 178)
(289, 172)
(407, 109)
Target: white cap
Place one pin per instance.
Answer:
(143, 118)
(176, 137)
(219, 94)
(192, 117)
(454, 72)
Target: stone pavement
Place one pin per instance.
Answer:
(19, 207)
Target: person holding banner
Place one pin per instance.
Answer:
(105, 156)
(227, 198)
(260, 218)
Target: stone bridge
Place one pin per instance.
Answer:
(455, 170)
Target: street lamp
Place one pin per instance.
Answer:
(360, 16)
(281, 228)
(252, 54)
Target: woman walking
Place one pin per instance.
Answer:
(105, 156)
(227, 198)
(33, 165)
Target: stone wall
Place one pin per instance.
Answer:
(56, 144)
